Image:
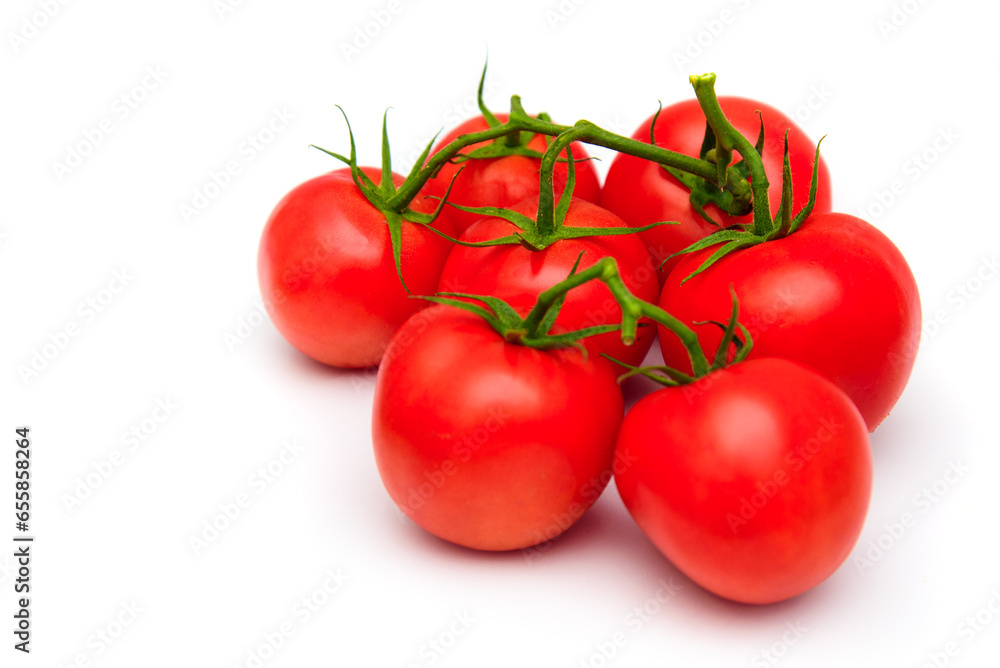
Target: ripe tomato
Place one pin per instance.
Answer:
(326, 268)
(518, 275)
(505, 181)
(642, 192)
(836, 295)
(489, 444)
(754, 481)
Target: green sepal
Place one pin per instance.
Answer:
(743, 346)
(344, 160)
(783, 221)
(509, 240)
(745, 242)
(361, 180)
(528, 236)
(386, 186)
(579, 232)
(499, 307)
(736, 238)
(546, 324)
(672, 377)
(428, 218)
(518, 220)
(569, 339)
(801, 216)
(764, 227)
(419, 164)
(514, 143)
(515, 329)
(476, 309)
(395, 222)
(704, 192)
(666, 375)
(491, 119)
(736, 342)
(566, 197)
(724, 235)
(378, 195)
(759, 145)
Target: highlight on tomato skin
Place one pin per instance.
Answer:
(326, 268)
(498, 450)
(505, 181)
(754, 481)
(642, 192)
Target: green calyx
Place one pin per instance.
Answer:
(533, 329)
(736, 201)
(548, 225)
(710, 174)
(763, 228)
(515, 143)
(382, 194)
(735, 338)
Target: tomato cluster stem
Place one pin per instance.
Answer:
(633, 310)
(583, 130)
(729, 138)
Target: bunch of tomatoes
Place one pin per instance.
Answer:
(505, 294)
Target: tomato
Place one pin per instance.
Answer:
(505, 181)
(754, 481)
(642, 192)
(327, 273)
(489, 444)
(518, 275)
(836, 295)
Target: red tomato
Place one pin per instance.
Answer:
(327, 273)
(489, 444)
(642, 192)
(518, 275)
(836, 295)
(505, 181)
(754, 481)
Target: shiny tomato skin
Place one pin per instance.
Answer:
(642, 192)
(836, 295)
(518, 275)
(327, 274)
(754, 482)
(489, 444)
(504, 181)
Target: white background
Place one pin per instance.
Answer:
(882, 98)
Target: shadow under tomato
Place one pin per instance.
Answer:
(602, 524)
(923, 427)
(607, 538)
(303, 364)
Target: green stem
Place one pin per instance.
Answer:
(730, 138)
(593, 134)
(585, 131)
(545, 223)
(409, 189)
(633, 309)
